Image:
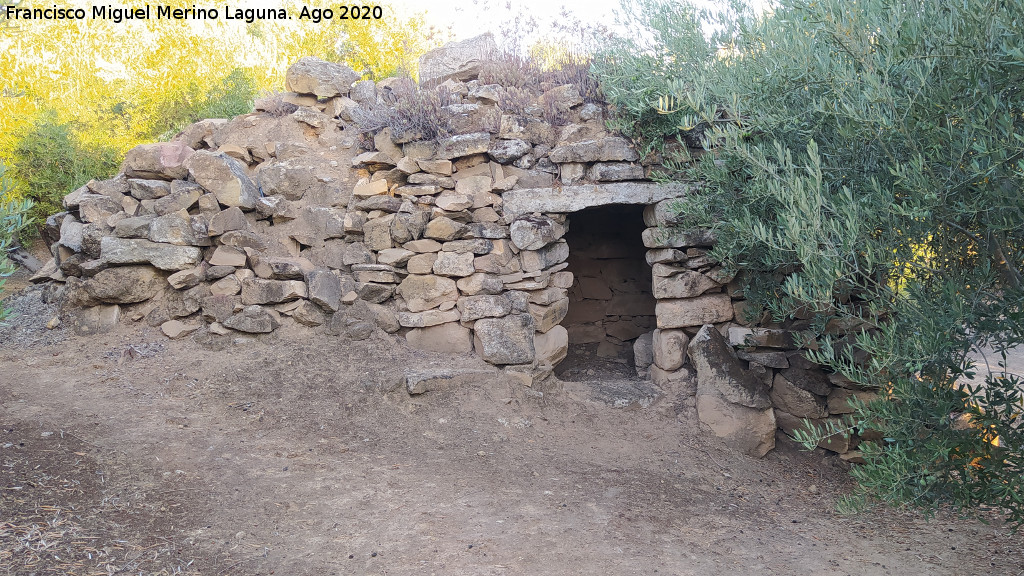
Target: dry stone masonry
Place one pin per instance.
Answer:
(522, 231)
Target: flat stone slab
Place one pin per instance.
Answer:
(575, 198)
(421, 381)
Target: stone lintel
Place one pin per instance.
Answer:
(569, 199)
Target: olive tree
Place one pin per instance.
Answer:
(864, 163)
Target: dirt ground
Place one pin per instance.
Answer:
(301, 453)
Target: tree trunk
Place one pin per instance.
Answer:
(24, 258)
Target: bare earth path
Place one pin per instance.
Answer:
(305, 456)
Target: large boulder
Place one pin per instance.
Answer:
(457, 60)
(719, 370)
(311, 75)
(160, 161)
(747, 430)
(730, 399)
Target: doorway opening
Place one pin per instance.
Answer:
(610, 302)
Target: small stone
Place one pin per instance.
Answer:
(669, 348)
(440, 167)
(454, 264)
(551, 347)
(125, 284)
(706, 309)
(547, 317)
(181, 199)
(427, 318)
(95, 320)
(280, 267)
(507, 340)
(453, 202)
(161, 161)
(462, 145)
(227, 220)
(375, 273)
(175, 329)
(224, 177)
(364, 188)
(144, 189)
(324, 288)
(423, 292)
(535, 232)
(443, 229)
(311, 75)
(720, 372)
(643, 353)
(261, 291)
(615, 172)
(394, 256)
(457, 60)
(309, 314)
(423, 246)
(451, 338)
(480, 283)
(253, 319)
(483, 306)
(683, 284)
(227, 286)
(185, 279)
(608, 149)
(506, 151)
(377, 233)
(228, 256)
(176, 228)
(421, 263)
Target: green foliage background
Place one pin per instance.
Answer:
(865, 164)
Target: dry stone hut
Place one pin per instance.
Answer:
(472, 218)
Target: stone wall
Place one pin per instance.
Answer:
(457, 244)
(747, 376)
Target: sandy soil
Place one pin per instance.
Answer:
(301, 453)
